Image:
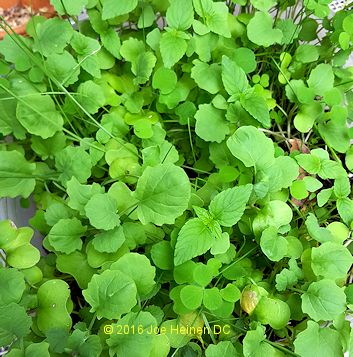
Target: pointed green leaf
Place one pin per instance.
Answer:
(229, 205)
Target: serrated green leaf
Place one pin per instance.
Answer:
(52, 36)
(331, 260)
(16, 175)
(65, 236)
(139, 269)
(256, 106)
(173, 47)
(233, 77)
(193, 240)
(37, 113)
(71, 162)
(101, 210)
(180, 14)
(324, 300)
(229, 205)
(158, 185)
(319, 341)
(207, 77)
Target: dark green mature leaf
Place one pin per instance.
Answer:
(324, 300)
(16, 175)
(163, 193)
(13, 284)
(14, 323)
(229, 205)
(111, 294)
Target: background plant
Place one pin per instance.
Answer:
(190, 162)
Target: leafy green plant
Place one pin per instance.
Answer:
(190, 162)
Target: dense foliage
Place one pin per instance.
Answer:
(189, 161)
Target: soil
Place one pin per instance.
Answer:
(17, 17)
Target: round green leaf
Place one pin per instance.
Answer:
(212, 299)
(165, 80)
(163, 192)
(162, 255)
(139, 269)
(231, 293)
(324, 300)
(111, 294)
(38, 115)
(101, 211)
(191, 296)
